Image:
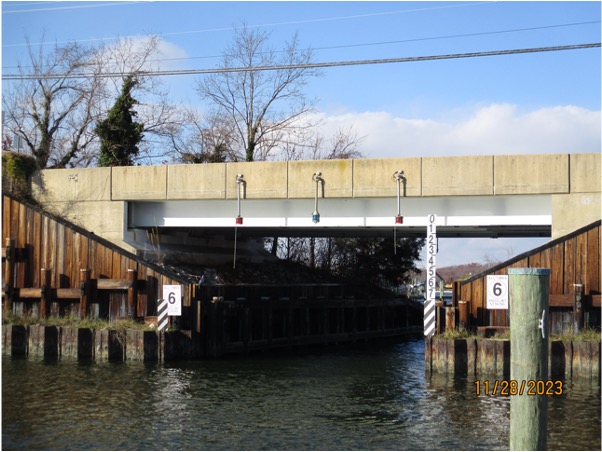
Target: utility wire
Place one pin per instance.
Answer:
(305, 66)
(403, 41)
(295, 22)
(400, 41)
(60, 8)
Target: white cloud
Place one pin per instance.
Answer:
(493, 129)
(143, 52)
(170, 54)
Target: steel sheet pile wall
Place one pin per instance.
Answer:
(574, 263)
(243, 318)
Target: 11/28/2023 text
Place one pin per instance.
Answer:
(514, 387)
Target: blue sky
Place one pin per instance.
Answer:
(535, 103)
(439, 97)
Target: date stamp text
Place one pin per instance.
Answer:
(514, 387)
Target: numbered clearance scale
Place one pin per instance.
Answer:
(431, 276)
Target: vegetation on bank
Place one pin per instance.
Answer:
(75, 322)
(17, 169)
(586, 335)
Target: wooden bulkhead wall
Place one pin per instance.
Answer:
(574, 263)
(58, 261)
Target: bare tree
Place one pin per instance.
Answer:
(260, 105)
(53, 111)
(201, 140)
(63, 92)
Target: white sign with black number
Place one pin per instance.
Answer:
(497, 291)
(173, 295)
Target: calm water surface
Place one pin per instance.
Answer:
(369, 397)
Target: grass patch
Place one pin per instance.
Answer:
(587, 334)
(457, 333)
(503, 335)
(11, 318)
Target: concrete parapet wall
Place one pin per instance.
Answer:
(531, 174)
(264, 179)
(337, 175)
(374, 177)
(139, 182)
(196, 181)
(429, 176)
(585, 174)
(77, 184)
(457, 176)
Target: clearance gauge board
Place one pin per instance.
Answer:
(431, 276)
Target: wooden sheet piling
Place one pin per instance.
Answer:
(46, 299)
(132, 293)
(86, 287)
(9, 274)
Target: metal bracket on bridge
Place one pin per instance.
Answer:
(241, 184)
(317, 177)
(399, 176)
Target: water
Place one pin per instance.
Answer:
(368, 397)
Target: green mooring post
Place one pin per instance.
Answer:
(529, 292)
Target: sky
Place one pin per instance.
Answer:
(546, 102)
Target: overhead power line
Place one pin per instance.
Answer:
(404, 41)
(61, 8)
(368, 44)
(307, 66)
(264, 25)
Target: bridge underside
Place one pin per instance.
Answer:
(474, 216)
(493, 231)
(206, 232)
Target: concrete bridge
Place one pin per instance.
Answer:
(197, 205)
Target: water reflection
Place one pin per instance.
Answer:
(369, 397)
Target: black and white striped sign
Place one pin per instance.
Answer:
(162, 318)
(431, 276)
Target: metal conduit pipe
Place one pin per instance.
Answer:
(399, 177)
(240, 181)
(317, 177)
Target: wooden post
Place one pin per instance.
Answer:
(132, 293)
(85, 284)
(529, 290)
(450, 318)
(9, 274)
(578, 307)
(438, 317)
(198, 316)
(463, 313)
(46, 298)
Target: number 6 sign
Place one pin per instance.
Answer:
(497, 291)
(173, 295)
